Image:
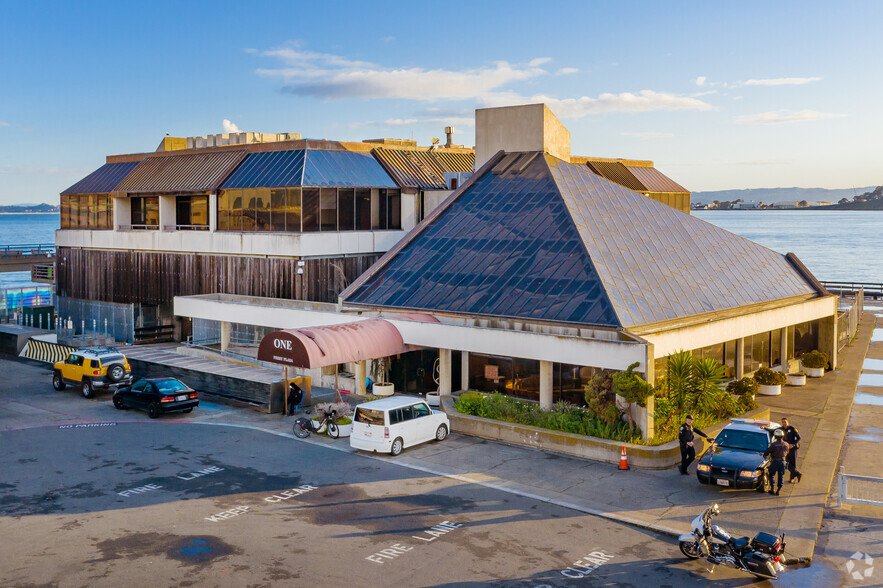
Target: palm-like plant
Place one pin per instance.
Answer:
(707, 394)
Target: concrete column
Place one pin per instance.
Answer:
(783, 348)
(168, 212)
(546, 384)
(740, 358)
(213, 212)
(464, 370)
(226, 329)
(647, 420)
(360, 378)
(444, 372)
(122, 212)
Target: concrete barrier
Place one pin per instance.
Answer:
(659, 457)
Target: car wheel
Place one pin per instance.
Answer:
(441, 433)
(153, 410)
(116, 373)
(118, 403)
(58, 382)
(87, 389)
(396, 447)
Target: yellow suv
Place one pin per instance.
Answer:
(89, 369)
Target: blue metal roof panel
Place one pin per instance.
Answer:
(104, 179)
(506, 247)
(346, 169)
(309, 167)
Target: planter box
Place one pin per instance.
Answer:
(796, 379)
(345, 430)
(765, 390)
(659, 457)
(433, 399)
(316, 424)
(814, 372)
(383, 390)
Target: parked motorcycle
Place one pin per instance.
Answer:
(762, 556)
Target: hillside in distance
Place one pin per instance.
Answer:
(774, 195)
(19, 208)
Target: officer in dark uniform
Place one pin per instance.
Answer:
(685, 437)
(792, 438)
(777, 451)
(295, 397)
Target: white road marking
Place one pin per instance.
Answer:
(585, 566)
(139, 490)
(228, 514)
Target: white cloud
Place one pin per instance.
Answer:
(400, 122)
(648, 135)
(781, 82)
(643, 101)
(230, 127)
(700, 81)
(761, 162)
(539, 61)
(780, 117)
(3, 124)
(564, 71)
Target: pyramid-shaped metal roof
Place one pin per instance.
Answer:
(534, 237)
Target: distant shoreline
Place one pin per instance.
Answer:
(28, 212)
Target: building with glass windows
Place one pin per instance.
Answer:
(244, 214)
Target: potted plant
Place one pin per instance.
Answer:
(814, 363)
(769, 382)
(343, 416)
(796, 379)
(433, 398)
(382, 386)
(745, 388)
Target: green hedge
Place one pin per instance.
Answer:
(563, 417)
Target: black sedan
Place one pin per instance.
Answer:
(157, 396)
(735, 459)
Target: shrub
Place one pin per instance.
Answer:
(742, 388)
(343, 408)
(344, 421)
(600, 398)
(562, 417)
(814, 359)
(767, 377)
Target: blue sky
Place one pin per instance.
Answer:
(718, 95)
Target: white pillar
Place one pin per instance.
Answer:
(783, 349)
(122, 212)
(168, 212)
(360, 378)
(226, 329)
(464, 370)
(444, 372)
(213, 212)
(546, 384)
(740, 358)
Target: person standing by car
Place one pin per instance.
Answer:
(777, 451)
(685, 437)
(792, 438)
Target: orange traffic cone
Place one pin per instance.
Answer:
(623, 460)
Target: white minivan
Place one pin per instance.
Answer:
(390, 424)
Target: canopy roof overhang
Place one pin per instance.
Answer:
(315, 347)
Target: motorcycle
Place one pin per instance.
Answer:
(762, 556)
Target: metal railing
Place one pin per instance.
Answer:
(847, 321)
(39, 249)
(871, 289)
(138, 228)
(185, 227)
(859, 489)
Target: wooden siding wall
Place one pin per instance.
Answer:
(156, 278)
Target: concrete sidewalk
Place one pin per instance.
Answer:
(659, 500)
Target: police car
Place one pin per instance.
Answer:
(735, 458)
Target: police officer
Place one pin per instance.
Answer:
(685, 437)
(792, 438)
(777, 451)
(295, 397)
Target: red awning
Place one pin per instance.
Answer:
(313, 347)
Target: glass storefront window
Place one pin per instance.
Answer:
(776, 347)
(363, 209)
(145, 212)
(293, 211)
(395, 209)
(310, 209)
(346, 209)
(328, 209)
(379, 211)
(806, 337)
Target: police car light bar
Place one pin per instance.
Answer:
(752, 422)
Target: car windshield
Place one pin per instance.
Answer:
(167, 386)
(369, 416)
(748, 440)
